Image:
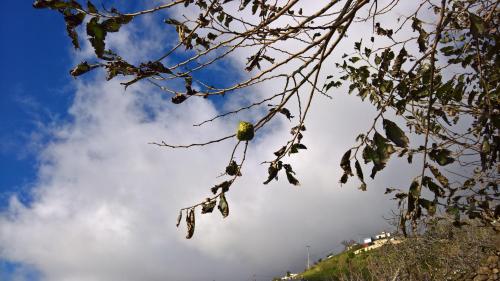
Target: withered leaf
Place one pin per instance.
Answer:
(290, 174)
(233, 169)
(179, 218)
(280, 152)
(208, 206)
(395, 134)
(273, 171)
(190, 223)
(286, 112)
(179, 98)
(345, 163)
(224, 186)
(223, 206)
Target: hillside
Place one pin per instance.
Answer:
(337, 267)
(443, 252)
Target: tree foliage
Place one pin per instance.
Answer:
(432, 75)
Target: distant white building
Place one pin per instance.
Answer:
(383, 235)
(377, 243)
(367, 240)
(290, 277)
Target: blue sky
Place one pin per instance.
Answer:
(36, 60)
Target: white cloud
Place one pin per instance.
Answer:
(106, 201)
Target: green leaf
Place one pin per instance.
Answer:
(368, 154)
(114, 24)
(471, 97)
(441, 156)
(421, 40)
(54, 4)
(395, 134)
(255, 6)
(295, 147)
(357, 45)
(432, 186)
(223, 206)
(95, 29)
(354, 59)
(359, 173)
(158, 67)
(73, 21)
(111, 25)
(228, 20)
(413, 195)
(244, 4)
(82, 68)
(190, 223)
(211, 36)
(415, 189)
(41, 4)
(96, 34)
(73, 35)
(477, 26)
(221, 16)
(428, 205)
(442, 179)
(398, 62)
(382, 153)
(91, 8)
(485, 146)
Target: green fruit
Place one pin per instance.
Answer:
(245, 131)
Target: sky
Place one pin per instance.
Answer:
(83, 196)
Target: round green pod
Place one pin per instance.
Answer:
(245, 131)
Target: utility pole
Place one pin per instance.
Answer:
(308, 260)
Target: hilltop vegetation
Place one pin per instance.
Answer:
(443, 252)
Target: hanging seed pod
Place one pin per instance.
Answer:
(245, 131)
